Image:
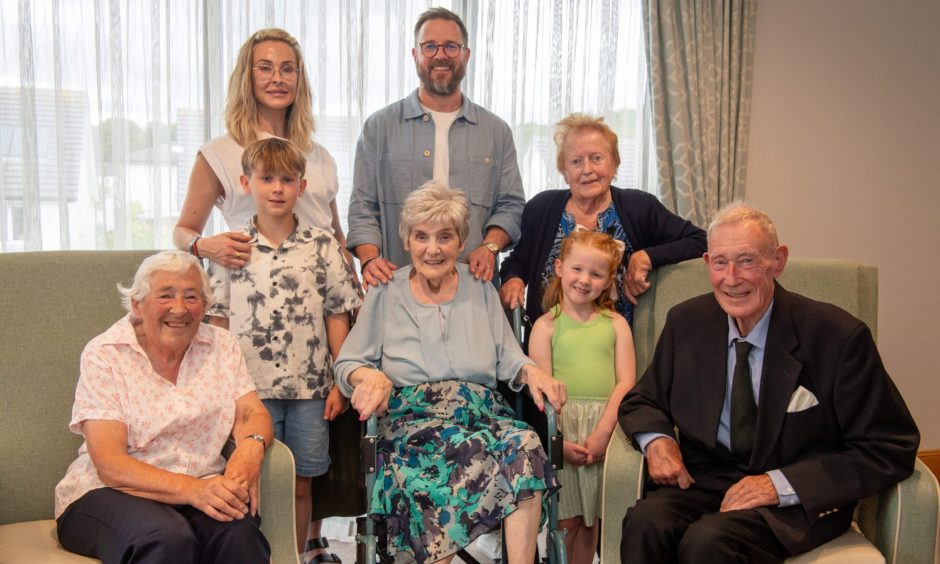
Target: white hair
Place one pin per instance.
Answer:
(165, 261)
(739, 212)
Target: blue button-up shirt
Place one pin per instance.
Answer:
(395, 155)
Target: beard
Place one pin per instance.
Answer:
(443, 87)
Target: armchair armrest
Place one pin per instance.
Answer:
(624, 470)
(277, 501)
(902, 521)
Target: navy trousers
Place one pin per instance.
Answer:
(671, 525)
(118, 528)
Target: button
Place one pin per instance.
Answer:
(487, 160)
(789, 490)
(425, 118)
(277, 365)
(274, 283)
(275, 256)
(427, 153)
(274, 338)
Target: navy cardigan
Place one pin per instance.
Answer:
(666, 237)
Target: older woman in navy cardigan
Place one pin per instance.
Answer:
(588, 157)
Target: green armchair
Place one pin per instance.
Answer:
(53, 304)
(896, 526)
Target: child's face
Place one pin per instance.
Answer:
(584, 274)
(275, 194)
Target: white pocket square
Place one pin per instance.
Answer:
(801, 400)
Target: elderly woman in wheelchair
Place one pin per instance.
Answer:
(428, 349)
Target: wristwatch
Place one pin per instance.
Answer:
(492, 247)
(193, 249)
(257, 437)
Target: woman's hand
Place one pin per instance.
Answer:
(336, 404)
(575, 454)
(229, 249)
(635, 282)
(219, 497)
(244, 468)
(512, 292)
(371, 390)
(543, 387)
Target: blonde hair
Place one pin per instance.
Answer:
(739, 212)
(273, 155)
(577, 122)
(241, 107)
(437, 204)
(602, 241)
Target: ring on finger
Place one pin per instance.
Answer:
(238, 255)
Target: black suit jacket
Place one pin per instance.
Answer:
(859, 439)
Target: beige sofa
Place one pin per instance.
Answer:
(53, 304)
(898, 526)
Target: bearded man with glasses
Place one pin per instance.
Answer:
(434, 133)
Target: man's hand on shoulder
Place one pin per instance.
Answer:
(750, 492)
(664, 464)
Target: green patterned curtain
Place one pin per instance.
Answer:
(701, 61)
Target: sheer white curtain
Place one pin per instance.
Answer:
(104, 103)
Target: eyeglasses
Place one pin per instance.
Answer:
(429, 48)
(288, 71)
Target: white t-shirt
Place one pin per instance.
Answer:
(224, 156)
(442, 123)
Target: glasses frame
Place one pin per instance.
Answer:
(290, 77)
(460, 48)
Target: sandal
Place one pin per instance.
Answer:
(313, 544)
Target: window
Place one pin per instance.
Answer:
(103, 105)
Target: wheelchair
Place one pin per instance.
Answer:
(371, 538)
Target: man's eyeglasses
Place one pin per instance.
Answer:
(288, 71)
(429, 48)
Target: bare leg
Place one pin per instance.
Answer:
(573, 528)
(522, 526)
(583, 545)
(303, 508)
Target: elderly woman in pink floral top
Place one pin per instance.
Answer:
(159, 395)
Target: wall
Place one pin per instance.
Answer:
(845, 156)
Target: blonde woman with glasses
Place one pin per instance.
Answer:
(268, 96)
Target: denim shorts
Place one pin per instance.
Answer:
(300, 425)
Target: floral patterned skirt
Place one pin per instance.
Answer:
(453, 463)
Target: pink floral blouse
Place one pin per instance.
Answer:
(179, 428)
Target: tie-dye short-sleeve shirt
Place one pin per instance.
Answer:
(276, 306)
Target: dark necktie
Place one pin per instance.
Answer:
(743, 406)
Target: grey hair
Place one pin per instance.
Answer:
(165, 261)
(738, 212)
(435, 203)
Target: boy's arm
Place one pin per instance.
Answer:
(337, 328)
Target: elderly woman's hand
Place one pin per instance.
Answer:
(512, 292)
(371, 390)
(635, 282)
(543, 387)
(219, 497)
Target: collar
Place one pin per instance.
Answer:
(122, 333)
(302, 233)
(414, 110)
(758, 335)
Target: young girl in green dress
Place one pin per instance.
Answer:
(584, 343)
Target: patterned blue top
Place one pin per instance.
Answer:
(607, 222)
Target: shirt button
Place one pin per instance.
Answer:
(487, 160)
(275, 256)
(427, 153)
(277, 365)
(274, 338)
(274, 283)
(425, 118)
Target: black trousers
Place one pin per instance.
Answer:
(118, 528)
(673, 525)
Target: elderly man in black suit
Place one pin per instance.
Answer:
(764, 415)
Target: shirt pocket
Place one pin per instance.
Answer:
(395, 177)
(482, 175)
